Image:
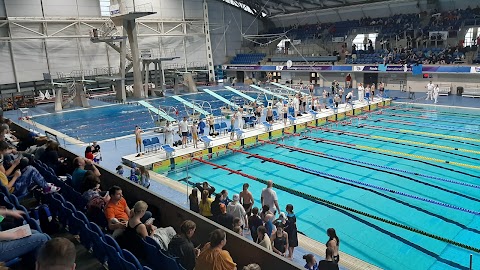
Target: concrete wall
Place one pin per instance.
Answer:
(168, 213)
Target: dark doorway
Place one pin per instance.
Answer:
(369, 78)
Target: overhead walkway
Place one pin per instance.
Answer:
(226, 101)
(191, 106)
(251, 99)
(156, 111)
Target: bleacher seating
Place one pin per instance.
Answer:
(248, 58)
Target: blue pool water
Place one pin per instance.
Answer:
(448, 135)
(119, 120)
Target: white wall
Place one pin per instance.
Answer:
(227, 24)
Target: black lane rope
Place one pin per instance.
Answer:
(320, 140)
(450, 117)
(367, 136)
(355, 163)
(340, 207)
(395, 130)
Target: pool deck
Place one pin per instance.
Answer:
(158, 158)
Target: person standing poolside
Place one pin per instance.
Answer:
(372, 91)
(168, 134)
(195, 134)
(348, 81)
(296, 105)
(269, 197)
(138, 139)
(246, 199)
(291, 230)
(333, 243)
(367, 92)
(381, 88)
(240, 118)
(436, 91)
(430, 88)
(269, 117)
(361, 92)
(232, 125)
(329, 262)
(183, 129)
(348, 99)
(311, 88)
(285, 113)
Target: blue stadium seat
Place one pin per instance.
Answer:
(129, 257)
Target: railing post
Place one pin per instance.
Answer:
(471, 261)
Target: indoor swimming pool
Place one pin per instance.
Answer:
(418, 166)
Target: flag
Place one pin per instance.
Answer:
(382, 67)
(417, 69)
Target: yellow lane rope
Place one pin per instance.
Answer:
(425, 144)
(440, 135)
(418, 157)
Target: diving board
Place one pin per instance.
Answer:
(288, 88)
(240, 94)
(228, 102)
(191, 106)
(156, 111)
(268, 92)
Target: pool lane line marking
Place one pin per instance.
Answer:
(436, 115)
(355, 182)
(402, 142)
(439, 135)
(449, 128)
(424, 117)
(440, 112)
(396, 130)
(370, 151)
(405, 154)
(418, 124)
(321, 154)
(339, 206)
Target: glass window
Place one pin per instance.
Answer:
(469, 38)
(105, 8)
(359, 40)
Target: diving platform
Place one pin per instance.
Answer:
(156, 111)
(240, 93)
(107, 39)
(269, 92)
(131, 16)
(289, 88)
(226, 101)
(190, 105)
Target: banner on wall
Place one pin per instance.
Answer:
(366, 68)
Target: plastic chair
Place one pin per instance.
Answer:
(33, 225)
(156, 258)
(114, 259)
(155, 142)
(223, 127)
(14, 200)
(132, 259)
(146, 144)
(95, 238)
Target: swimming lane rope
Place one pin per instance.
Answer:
(339, 206)
(435, 111)
(429, 146)
(319, 173)
(397, 131)
(426, 117)
(352, 146)
(321, 154)
(444, 127)
(401, 154)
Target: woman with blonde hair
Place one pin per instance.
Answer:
(205, 205)
(135, 230)
(144, 177)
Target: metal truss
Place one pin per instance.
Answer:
(48, 28)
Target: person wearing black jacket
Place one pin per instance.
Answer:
(182, 247)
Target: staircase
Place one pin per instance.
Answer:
(109, 30)
(70, 94)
